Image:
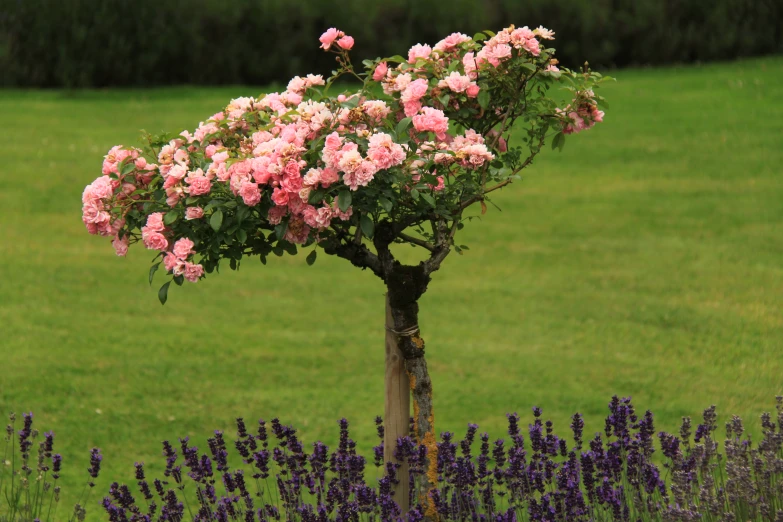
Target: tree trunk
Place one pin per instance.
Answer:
(424, 419)
(405, 285)
(397, 409)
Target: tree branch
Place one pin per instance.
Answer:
(416, 241)
(358, 255)
(474, 199)
(443, 247)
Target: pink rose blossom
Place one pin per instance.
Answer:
(376, 109)
(194, 213)
(183, 248)
(329, 37)
(532, 46)
(314, 80)
(415, 91)
(193, 272)
(312, 178)
(472, 90)
(383, 152)
(380, 72)
(411, 108)
(346, 42)
(297, 84)
(497, 53)
(156, 241)
(220, 157)
(419, 51)
(155, 222)
(199, 186)
(432, 120)
(297, 231)
(361, 175)
(173, 264)
(120, 245)
(276, 214)
(329, 177)
(333, 141)
(173, 195)
(181, 157)
(544, 33)
(451, 41)
(456, 82)
(470, 63)
(250, 193)
(280, 197)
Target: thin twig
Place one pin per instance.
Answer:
(416, 241)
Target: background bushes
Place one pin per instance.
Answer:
(97, 43)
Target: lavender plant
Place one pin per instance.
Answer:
(29, 482)
(617, 475)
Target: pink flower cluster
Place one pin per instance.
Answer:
(291, 154)
(112, 189)
(332, 36)
(176, 261)
(469, 151)
(584, 116)
(156, 236)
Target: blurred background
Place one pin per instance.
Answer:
(103, 43)
(645, 260)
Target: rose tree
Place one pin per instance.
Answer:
(400, 160)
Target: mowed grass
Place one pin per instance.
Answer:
(644, 260)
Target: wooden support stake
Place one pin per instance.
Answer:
(397, 409)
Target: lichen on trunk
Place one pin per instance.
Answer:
(406, 284)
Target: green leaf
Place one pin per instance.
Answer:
(479, 37)
(396, 58)
(529, 66)
(311, 257)
(351, 102)
(403, 125)
(483, 98)
(190, 200)
(170, 217)
(280, 230)
(344, 199)
(316, 196)
(415, 194)
(179, 280)
(445, 99)
(153, 269)
(241, 236)
(558, 141)
(242, 212)
(429, 199)
(368, 227)
(386, 204)
(128, 168)
(216, 220)
(163, 293)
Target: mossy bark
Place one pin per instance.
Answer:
(405, 285)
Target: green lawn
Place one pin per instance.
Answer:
(644, 260)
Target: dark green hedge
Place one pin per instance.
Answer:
(95, 43)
